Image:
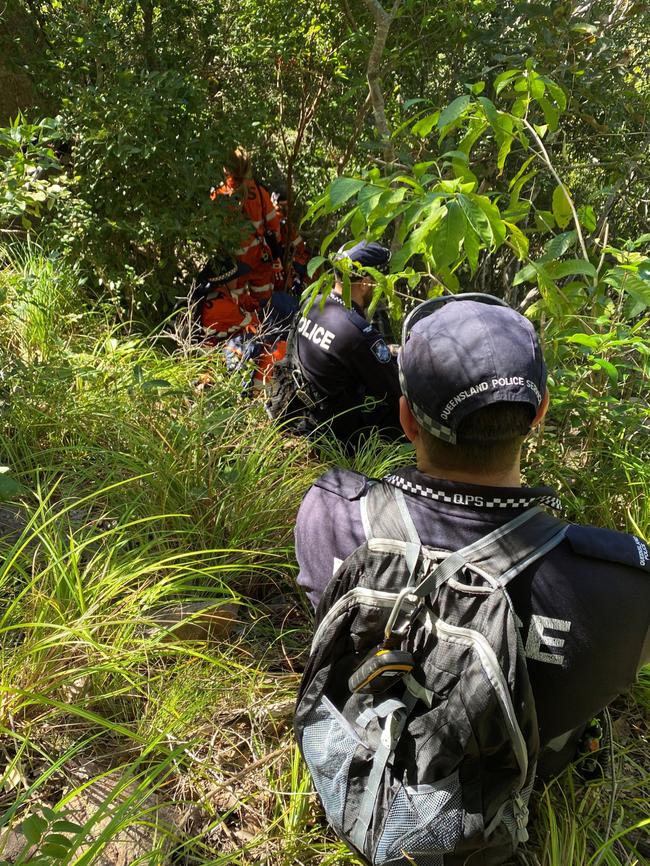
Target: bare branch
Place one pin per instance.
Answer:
(543, 154)
(383, 21)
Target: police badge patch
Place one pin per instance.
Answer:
(381, 351)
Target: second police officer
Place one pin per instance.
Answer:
(350, 369)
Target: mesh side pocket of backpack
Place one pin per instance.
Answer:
(422, 860)
(427, 818)
(328, 746)
(508, 815)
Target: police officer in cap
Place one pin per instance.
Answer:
(351, 371)
(474, 384)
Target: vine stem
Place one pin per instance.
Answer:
(547, 160)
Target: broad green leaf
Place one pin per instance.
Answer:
(357, 223)
(506, 138)
(65, 826)
(455, 154)
(518, 240)
(551, 114)
(447, 237)
(607, 366)
(367, 203)
(489, 108)
(477, 219)
(558, 95)
(527, 274)
(472, 247)
(587, 217)
(475, 130)
(56, 852)
(561, 207)
(453, 111)
(497, 224)
(592, 341)
(342, 189)
(520, 106)
(314, 264)
(409, 103)
(401, 257)
(502, 80)
(424, 126)
(9, 488)
(537, 87)
(544, 221)
(559, 245)
(33, 828)
(557, 270)
(636, 288)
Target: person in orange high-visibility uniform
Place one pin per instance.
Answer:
(223, 309)
(256, 248)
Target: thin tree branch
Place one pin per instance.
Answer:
(543, 154)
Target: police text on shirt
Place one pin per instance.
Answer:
(316, 333)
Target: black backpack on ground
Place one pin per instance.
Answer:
(293, 400)
(415, 714)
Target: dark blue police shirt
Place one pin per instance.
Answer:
(348, 361)
(584, 608)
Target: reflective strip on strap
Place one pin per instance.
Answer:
(384, 709)
(393, 728)
(417, 690)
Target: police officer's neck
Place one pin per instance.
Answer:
(357, 293)
(506, 477)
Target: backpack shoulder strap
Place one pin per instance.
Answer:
(503, 553)
(384, 514)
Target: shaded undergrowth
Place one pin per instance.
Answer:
(141, 485)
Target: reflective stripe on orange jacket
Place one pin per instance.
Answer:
(223, 315)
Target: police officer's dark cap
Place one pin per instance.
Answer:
(459, 356)
(368, 254)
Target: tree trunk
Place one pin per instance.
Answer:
(383, 22)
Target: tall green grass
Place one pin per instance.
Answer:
(141, 490)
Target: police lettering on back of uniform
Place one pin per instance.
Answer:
(345, 361)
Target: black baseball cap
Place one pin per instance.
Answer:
(367, 254)
(462, 352)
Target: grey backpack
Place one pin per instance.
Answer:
(415, 714)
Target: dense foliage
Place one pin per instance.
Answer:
(142, 496)
(496, 146)
(151, 95)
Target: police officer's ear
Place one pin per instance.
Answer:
(407, 420)
(541, 412)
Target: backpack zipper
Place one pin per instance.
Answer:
(379, 598)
